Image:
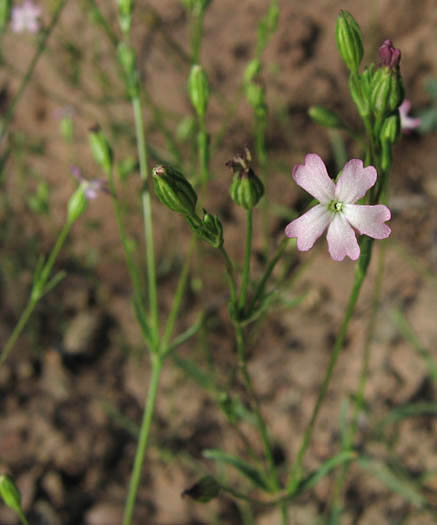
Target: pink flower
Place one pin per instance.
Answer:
(92, 188)
(389, 55)
(337, 210)
(25, 16)
(407, 123)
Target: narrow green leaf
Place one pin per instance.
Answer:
(192, 370)
(250, 472)
(395, 481)
(409, 410)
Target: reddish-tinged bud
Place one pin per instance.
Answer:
(390, 56)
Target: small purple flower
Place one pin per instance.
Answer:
(407, 123)
(25, 17)
(337, 210)
(390, 56)
(91, 188)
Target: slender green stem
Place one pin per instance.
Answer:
(196, 37)
(246, 268)
(230, 274)
(149, 410)
(26, 79)
(35, 296)
(269, 270)
(360, 274)
(148, 220)
(174, 311)
(359, 398)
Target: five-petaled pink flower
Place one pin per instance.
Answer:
(407, 123)
(337, 210)
(26, 17)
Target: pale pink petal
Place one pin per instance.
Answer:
(369, 219)
(405, 106)
(313, 177)
(341, 239)
(309, 227)
(354, 181)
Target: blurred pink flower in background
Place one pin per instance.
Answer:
(26, 17)
(407, 123)
(337, 210)
(93, 187)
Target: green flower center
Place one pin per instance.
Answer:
(336, 206)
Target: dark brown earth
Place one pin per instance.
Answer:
(70, 409)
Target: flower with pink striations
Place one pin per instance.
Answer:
(337, 210)
(407, 123)
(25, 17)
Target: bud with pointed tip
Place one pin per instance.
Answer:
(198, 89)
(174, 191)
(349, 40)
(10, 493)
(101, 149)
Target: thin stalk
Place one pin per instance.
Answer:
(269, 270)
(360, 275)
(261, 424)
(147, 213)
(364, 373)
(196, 37)
(26, 79)
(174, 311)
(149, 410)
(246, 268)
(230, 274)
(34, 298)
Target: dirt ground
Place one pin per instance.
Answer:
(72, 392)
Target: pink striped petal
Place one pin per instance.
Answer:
(309, 227)
(313, 177)
(369, 219)
(354, 181)
(341, 239)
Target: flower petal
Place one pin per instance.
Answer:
(341, 239)
(313, 177)
(369, 219)
(354, 181)
(309, 227)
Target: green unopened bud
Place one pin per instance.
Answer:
(204, 490)
(5, 11)
(127, 58)
(256, 95)
(77, 204)
(174, 191)
(246, 189)
(349, 40)
(387, 91)
(209, 229)
(391, 129)
(10, 493)
(325, 117)
(125, 8)
(252, 70)
(198, 89)
(101, 149)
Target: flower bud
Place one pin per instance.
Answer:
(387, 91)
(204, 490)
(209, 229)
(127, 58)
(10, 493)
(349, 40)
(174, 191)
(100, 148)
(357, 88)
(77, 204)
(325, 117)
(5, 11)
(391, 129)
(125, 8)
(252, 70)
(256, 95)
(198, 89)
(246, 188)
(389, 55)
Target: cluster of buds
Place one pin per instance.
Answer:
(246, 188)
(175, 192)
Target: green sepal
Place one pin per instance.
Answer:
(246, 189)
(101, 149)
(359, 95)
(198, 89)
